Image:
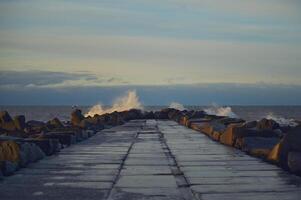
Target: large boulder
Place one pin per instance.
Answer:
(251, 124)
(229, 136)
(257, 146)
(227, 121)
(64, 138)
(148, 115)
(9, 151)
(235, 131)
(29, 152)
(19, 122)
(76, 117)
(291, 142)
(294, 162)
(197, 114)
(6, 121)
(55, 123)
(34, 127)
(267, 124)
(197, 124)
(48, 146)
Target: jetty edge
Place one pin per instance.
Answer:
(23, 142)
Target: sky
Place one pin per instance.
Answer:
(50, 50)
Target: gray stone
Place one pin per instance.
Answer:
(294, 162)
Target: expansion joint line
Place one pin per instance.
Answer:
(181, 180)
(122, 165)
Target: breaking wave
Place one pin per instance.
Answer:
(177, 106)
(127, 102)
(220, 111)
(281, 120)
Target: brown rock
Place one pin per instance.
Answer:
(216, 135)
(9, 151)
(267, 124)
(76, 117)
(55, 123)
(291, 142)
(34, 126)
(256, 146)
(19, 122)
(6, 121)
(230, 135)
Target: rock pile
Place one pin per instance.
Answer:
(24, 142)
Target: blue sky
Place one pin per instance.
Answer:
(60, 45)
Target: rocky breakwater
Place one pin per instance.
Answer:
(23, 142)
(265, 139)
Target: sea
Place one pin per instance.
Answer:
(249, 113)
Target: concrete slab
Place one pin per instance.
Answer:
(149, 159)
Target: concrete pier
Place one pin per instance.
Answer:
(149, 159)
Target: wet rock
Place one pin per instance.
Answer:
(8, 167)
(55, 123)
(29, 152)
(132, 114)
(48, 146)
(34, 126)
(149, 115)
(6, 121)
(228, 137)
(216, 135)
(173, 113)
(90, 133)
(196, 124)
(9, 151)
(251, 124)
(184, 120)
(227, 121)
(294, 162)
(197, 114)
(19, 122)
(267, 124)
(92, 124)
(64, 138)
(274, 153)
(291, 142)
(76, 117)
(163, 114)
(257, 146)
(235, 131)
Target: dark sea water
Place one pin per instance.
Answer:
(248, 113)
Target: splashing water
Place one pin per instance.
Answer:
(127, 102)
(281, 120)
(177, 106)
(220, 111)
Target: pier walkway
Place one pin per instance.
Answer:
(150, 160)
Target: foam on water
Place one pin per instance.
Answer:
(127, 102)
(177, 106)
(281, 120)
(220, 111)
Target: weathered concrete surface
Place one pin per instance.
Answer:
(150, 160)
(214, 171)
